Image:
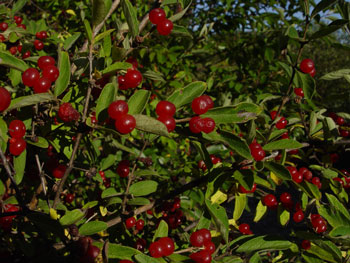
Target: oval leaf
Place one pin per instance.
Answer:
(116, 66)
(30, 100)
(92, 227)
(10, 61)
(106, 98)
(218, 213)
(121, 252)
(149, 124)
(240, 203)
(131, 17)
(143, 188)
(187, 94)
(19, 163)
(162, 230)
(138, 101)
(98, 11)
(62, 82)
(282, 145)
(279, 170)
(71, 217)
(264, 242)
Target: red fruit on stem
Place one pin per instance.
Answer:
(92, 253)
(140, 224)
(299, 92)
(244, 229)
(156, 250)
(39, 45)
(202, 256)
(42, 85)
(2, 38)
(156, 16)
(286, 198)
(51, 72)
(30, 77)
(209, 101)
(3, 26)
(209, 125)
(298, 216)
(59, 171)
(273, 114)
(196, 124)
(69, 198)
(123, 169)
(340, 120)
(165, 108)
(201, 165)
(67, 113)
(13, 50)
(17, 129)
(130, 222)
(245, 191)
(22, 26)
(307, 65)
(165, 27)
(125, 124)
(168, 245)
(133, 78)
(270, 201)
(17, 146)
(26, 55)
(312, 72)
(168, 121)
(282, 123)
(200, 105)
(18, 20)
(306, 244)
(210, 247)
(117, 109)
(122, 83)
(45, 61)
(5, 99)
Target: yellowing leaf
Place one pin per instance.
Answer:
(53, 214)
(233, 222)
(103, 234)
(276, 179)
(215, 233)
(219, 197)
(103, 210)
(71, 12)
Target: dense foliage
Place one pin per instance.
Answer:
(174, 131)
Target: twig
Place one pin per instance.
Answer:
(182, 120)
(190, 249)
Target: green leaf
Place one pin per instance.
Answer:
(92, 227)
(323, 254)
(260, 211)
(218, 214)
(340, 231)
(103, 35)
(116, 66)
(234, 142)
(181, 31)
(68, 43)
(283, 215)
(264, 242)
(106, 98)
(180, 14)
(62, 82)
(338, 205)
(282, 145)
(321, 6)
(15, 76)
(308, 84)
(30, 100)
(187, 94)
(19, 163)
(279, 170)
(341, 73)
(2, 188)
(143, 188)
(142, 258)
(107, 162)
(18, 6)
(131, 17)
(121, 252)
(152, 75)
(332, 27)
(41, 142)
(88, 29)
(109, 192)
(239, 113)
(162, 230)
(151, 125)
(71, 217)
(139, 201)
(311, 190)
(138, 101)
(3, 134)
(240, 203)
(245, 178)
(98, 11)
(10, 61)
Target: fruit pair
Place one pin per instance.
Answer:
(257, 151)
(308, 66)
(318, 223)
(202, 238)
(157, 17)
(131, 222)
(165, 111)
(296, 176)
(124, 122)
(130, 80)
(162, 248)
(17, 130)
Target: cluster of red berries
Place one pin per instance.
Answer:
(257, 151)
(242, 190)
(202, 238)
(6, 221)
(5, 99)
(123, 169)
(304, 174)
(14, 49)
(308, 66)
(67, 113)
(165, 111)
(201, 105)
(88, 252)
(124, 122)
(214, 159)
(106, 181)
(282, 122)
(17, 130)
(31, 77)
(163, 247)
(131, 222)
(157, 17)
(131, 79)
(318, 223)
(245, 229)
(172, 213)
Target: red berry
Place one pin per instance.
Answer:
(209, 125)
(140, 224)
(339, 180)
(307, 65)
(18, 20)
(286, 198)
(43, 34)
(258, 154)
(22, 26)
(245, 191)
(103, 175)
(67, 113)
(69, 198)
(306, 244)
(156, 16)
(3, 26)
(6, 221)
(30, 77)
(344, 133)
(117, 108)
(273, 114)
(214, 159)
(51, 72)
(165, 108)
(209, 101)
(298, 178)
(92, 253)
(201, 165)
(285, 135)
(5, 99)
(165, 27)
(39, 45)
(133, 61)
(17, 146)
(298, 216)
(125, 124)
(200, 105)
(202, 256)
(156, 250)
(17, 129)
(2, 38)
(316, 181)
(42, 85)
(312, 72)
(19, 48)
(168, 245)
(210, 247)
(321, 228)
(45, 61)
(168, 121)
(13, 50)
(206, 234)
(140, 244)
(133, 78)
(340, 120)
(299, 92)
(199, 237)
(130, 222)
(196, 124)
(26, 55)
(123, 168)
(282, 123)
(59, 171)
(244, 229)
(122, 83)
(270, 201)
